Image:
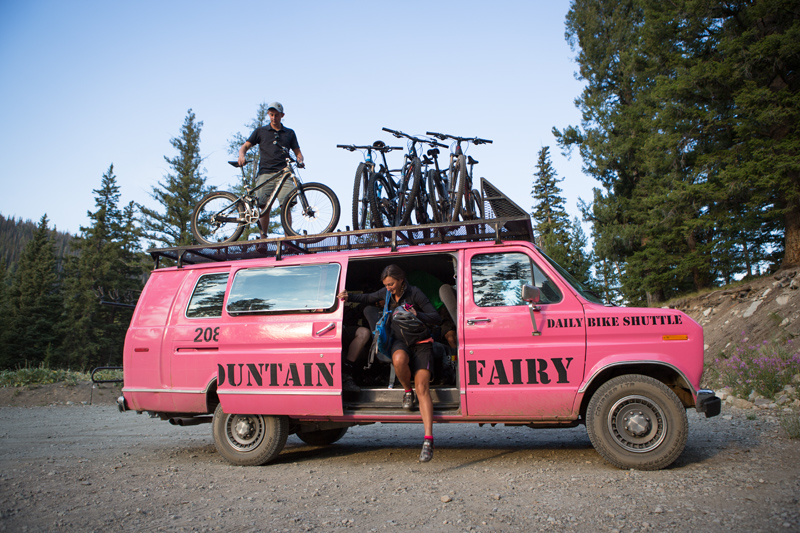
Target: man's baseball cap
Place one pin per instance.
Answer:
(277, 106)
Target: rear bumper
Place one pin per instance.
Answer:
(708, 403)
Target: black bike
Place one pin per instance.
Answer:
(362, 217)
(309, 209)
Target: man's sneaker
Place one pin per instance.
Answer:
(408, 400)
(427, 451)
(348, 384)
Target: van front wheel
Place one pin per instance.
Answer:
(249, 440)
(636, 421)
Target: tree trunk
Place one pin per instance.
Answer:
(791, 256)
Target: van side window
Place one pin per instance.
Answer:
(206, 300)
(282, 289)
(497, 280)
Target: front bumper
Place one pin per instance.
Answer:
(708, 403)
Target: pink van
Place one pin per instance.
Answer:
(249, 337)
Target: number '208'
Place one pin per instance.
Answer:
(206, 334)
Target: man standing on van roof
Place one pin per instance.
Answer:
(272, 159)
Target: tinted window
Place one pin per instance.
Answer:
(206, 301)
(290, 288)
(497, 280)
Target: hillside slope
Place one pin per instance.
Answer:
(759, 310)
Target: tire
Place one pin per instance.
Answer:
(473, 207)
(407, 196)
(324, 213)
(221, 204)
(459, 175)
(437, 196)
(382, 204)
(360, 197)
(249, 440)
(321, 437)
(636, 421)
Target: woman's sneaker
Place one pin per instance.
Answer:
(408, 400)
(427, 451)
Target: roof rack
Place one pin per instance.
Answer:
(504, 220)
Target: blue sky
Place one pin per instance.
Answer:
(87, 84)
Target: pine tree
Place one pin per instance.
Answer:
(104, 266)
(179, 192)
(34, 304)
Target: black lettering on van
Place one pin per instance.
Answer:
(255, 373)
(499, 372)
(325, 374)
(231, 374)
(516, 371)
(206, 334)
(273, 373)
(293, 376)
(474, 371)
(561, 369)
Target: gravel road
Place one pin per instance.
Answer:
(90, 468)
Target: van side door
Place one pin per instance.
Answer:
(280, 351)
(512, 368)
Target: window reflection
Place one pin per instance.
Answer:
(291, 288)
(206, 301)
(497, 280)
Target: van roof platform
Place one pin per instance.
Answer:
(503, 220)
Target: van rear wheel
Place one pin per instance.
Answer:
(636, 421)
(249, 440)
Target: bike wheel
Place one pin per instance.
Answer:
(437, 196)
(473, 208)
(218, 218)
(407, 195)
(320, 217)
(423, 211)
(382, 202)
(460, 176)
(360, 197)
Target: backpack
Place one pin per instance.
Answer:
(381, 337)
(408, 328)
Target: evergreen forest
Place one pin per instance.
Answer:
(690, 117)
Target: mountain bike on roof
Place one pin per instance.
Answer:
(362, 216)
(462, 200)
(309, 209)
(393, 201)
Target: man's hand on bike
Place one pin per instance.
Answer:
(242, 161)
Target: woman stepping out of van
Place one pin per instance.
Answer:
(412, 352)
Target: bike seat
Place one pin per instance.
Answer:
(471, 161)
(433, 151)
(236, 163)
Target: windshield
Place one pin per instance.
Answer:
(577, 285)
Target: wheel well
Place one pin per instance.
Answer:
(212, 400)
(667, 375)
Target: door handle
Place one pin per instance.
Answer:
(326, 329)
(473, 321)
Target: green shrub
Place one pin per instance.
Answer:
(790, 422)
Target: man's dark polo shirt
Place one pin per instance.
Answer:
(272, 158)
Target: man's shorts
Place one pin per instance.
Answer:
(420, 355)
(265, 192)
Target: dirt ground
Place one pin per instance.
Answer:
(90, 468)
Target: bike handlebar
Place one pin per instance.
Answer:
(415, 139)
(473, 140)
(353, 148)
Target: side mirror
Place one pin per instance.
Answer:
(531, 294)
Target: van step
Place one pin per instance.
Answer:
(444, 399)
